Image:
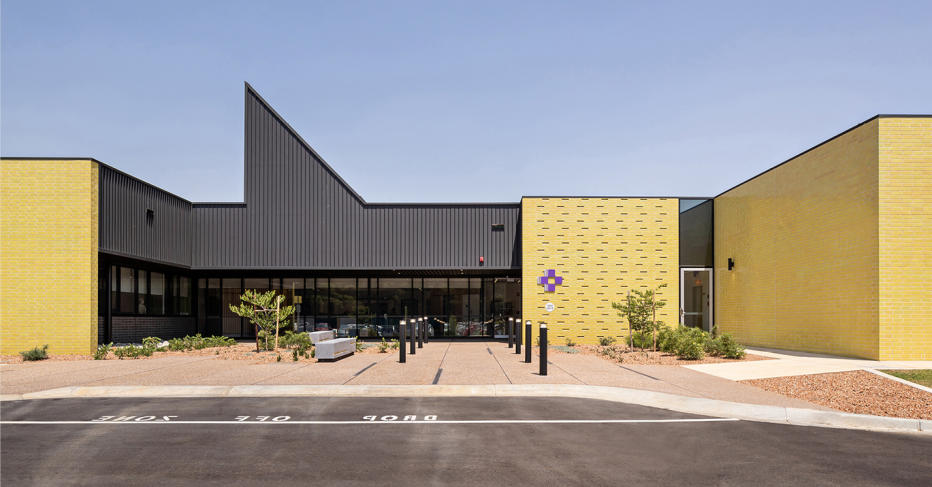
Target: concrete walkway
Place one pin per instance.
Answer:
(438, 363)
(790, 363)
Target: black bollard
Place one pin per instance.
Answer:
(511, 329)
(413, 340)
(543, 349)
(401, 346)
(527, 345)
(426, 335)
(420, 334)
(518, 337)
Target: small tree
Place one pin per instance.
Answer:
(641, 311)
(265, 312)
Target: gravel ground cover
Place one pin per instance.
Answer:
(623, 355)
(857, 392)
(242, 351)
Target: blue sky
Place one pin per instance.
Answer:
(459, 101)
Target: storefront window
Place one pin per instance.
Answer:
(127, 290)
(156, 294)
(232, 323)
(142, 290)
(183, 291)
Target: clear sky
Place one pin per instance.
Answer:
(459, 101)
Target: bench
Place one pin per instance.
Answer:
(333, 350)
(319, 336)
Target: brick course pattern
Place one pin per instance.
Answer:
(132, 329)
(48, 255)
(832, 249)
(602, 247)
(905, 238)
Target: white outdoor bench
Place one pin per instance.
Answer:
(319, 336)
(333, 350)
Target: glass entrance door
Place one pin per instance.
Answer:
(696, 297)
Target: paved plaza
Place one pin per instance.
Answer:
(438, 363)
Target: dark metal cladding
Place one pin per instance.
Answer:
(141, 221)
(218, 241)
(300, 214)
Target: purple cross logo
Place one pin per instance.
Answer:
(545, 280)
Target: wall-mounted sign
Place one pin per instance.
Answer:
(698, 282)
(550, 280)
(549, 307)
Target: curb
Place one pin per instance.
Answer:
(901, 381)
(683, 404)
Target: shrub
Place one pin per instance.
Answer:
(151, 344)
(666, 339)
(606, 341)
(130, 351)
(691, 343)
(566, 349)
(570, 342)
(102, 351)
(729, 348)
(35, 354)
(643, 339)
(383, 347)
(292, 339)
(197, 342)
(394, 344)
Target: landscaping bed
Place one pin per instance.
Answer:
(245, 351)
(856, 392)
(627, 355)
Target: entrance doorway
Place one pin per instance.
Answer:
(696, 297)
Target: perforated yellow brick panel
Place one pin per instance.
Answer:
(602, 247)
(48, 275)
(906, 239)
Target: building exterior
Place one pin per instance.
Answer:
(829, 252)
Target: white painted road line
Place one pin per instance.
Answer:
(490, 421)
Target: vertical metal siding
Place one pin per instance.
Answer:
(302, 215)
(299, 214)
(125, 228)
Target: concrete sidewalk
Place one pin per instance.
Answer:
(438, 363)
(790, 363)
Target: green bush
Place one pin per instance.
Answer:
(383, 346)
(606, 341)
(197, 342)
(729, 348)
(129, 351)
(292, 339)
(394, 344)
(565, 349)
(667, 338)
(570, 342)
(691, 343)
(35, 354)
(643, 339)
(102, 351)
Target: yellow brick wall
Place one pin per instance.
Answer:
(804, 238)
(906, 239)
(48, 250)
(602, 247)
